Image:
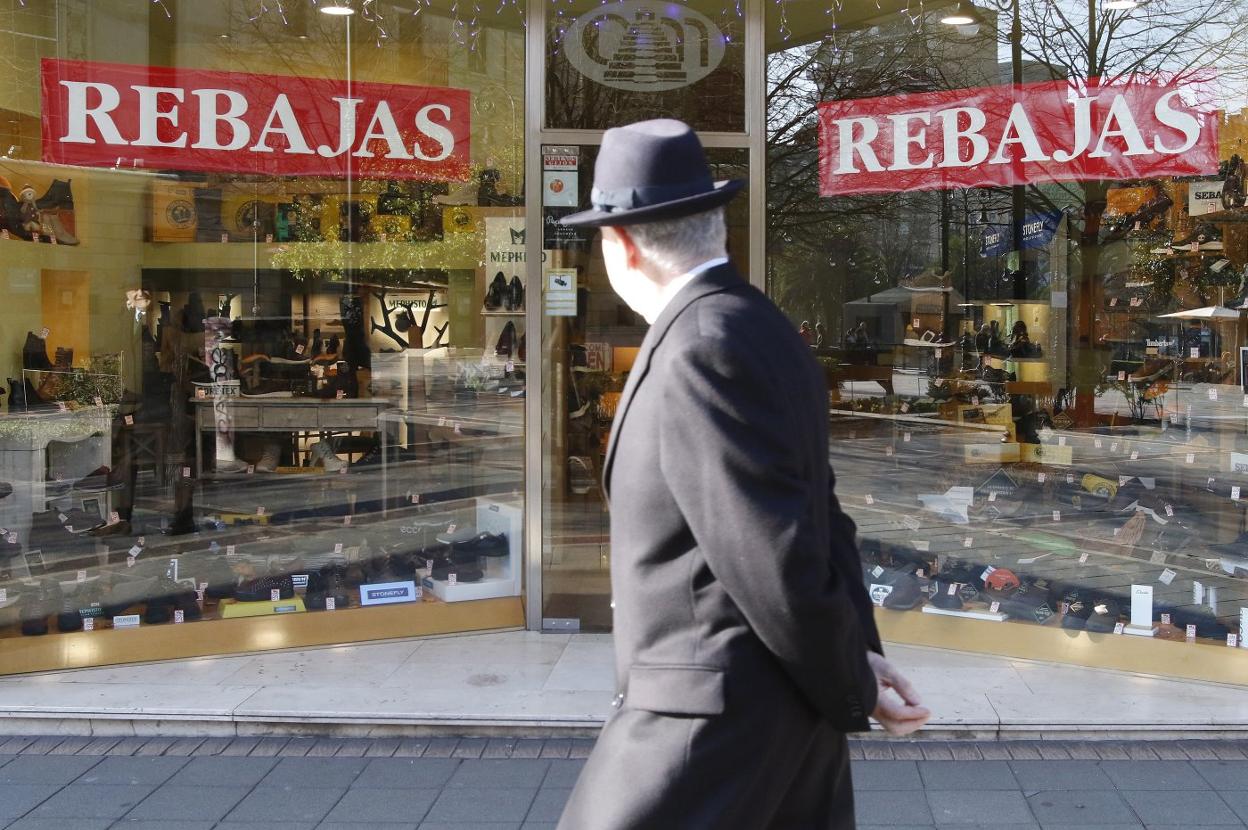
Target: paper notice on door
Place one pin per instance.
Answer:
(560, 297)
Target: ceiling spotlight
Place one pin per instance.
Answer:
(338, 10)
(959, 15)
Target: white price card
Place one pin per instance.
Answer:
(346, 520)
(1040, 477)
(1135, 455)
(186, 472)
(995, 607)
(1165, 619)
(1169, 510)
(1191, 632)
(88, 624)
(1198, 593)
(1232, 640)
(1167, 576)
(451, 579)
(1113, 447)
(967, 542)
(251, 469)
(1235, 493)
(451, 528)
(1083, 557)
(415, 498)
(1097, 443)
(1061, 440)
(905, 407)
(4, 594)
(1122, 376)
(1195, 352)
(869, 499)
(992, 496)
(1057, 515)
(129, 420)
(179, 616)
(260, 510)
(1070, 479)
(1118, 628)
(330, 604)
(82, 576)
(113, 517)
(1191, 458)
(275, 595)
(229, 550)
(1213, 394)
(905, 437)
(135, 550)
(1246, 400)
(888, 451)
(922, 546)
(337, 547)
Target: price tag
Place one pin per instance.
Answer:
(1117, 530)
(179, 616)
(905, 437)
(511, 366)
(967, 542)
(1118, 628)
(922, 546)
(346, 520)
(1169, 510)
(260, 510)
(1040, 477)
(905, 407)
(342, 471)
(987, 572)
(4, 594)
(62, 406)
(134, 551)
(451, 579)
(919, 573)
(1122, 376)
(1191, 632)
(225, 237)
(330, 604)
(888, 451)
(1209, 483)
(88, 624)
(458, 431)
(1098, 443)
(275, 595)
(299, 349)
(338, 547)
(1213, 394)
(229, 550)
(1070, 479)
(186, 472)
(441, 420)
(1135, 455)
(451, 528)
(1083, 557)
(1232, 640)
(1167, 576)
(4, 234)
(268, 238)
(992, 496)
(1113, 301)
(1235, 493)
(975, 400)
(415, 498)
(916, 323)
(62, 517)
(1061, 440)
(251, 469)
(1195, 351)
(340, 394)
(995, 607)
(1165, 619)
(199, 591)
(869, 499)
(1113, 447)
(1191, 458)
(1057, 515)
(130, 560)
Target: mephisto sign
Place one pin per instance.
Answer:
(1052, 131)
(104, 115)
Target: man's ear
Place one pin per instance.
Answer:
(632, 254)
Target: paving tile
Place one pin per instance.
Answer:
(1079, 808)
(1192, 807)
(216, 771)
(42, 746)
(469, 748)
(378, 806)
(440, 747)
(155, 746)
(52, 770)
(267, 825)
(1223, 775)
(877, 751)
(994, 808)
(984, 775)
(70, 746)
(282, 804)
(132, 770)
(1052, 752)
(19, 799)
(556, 748)
(548, 805)
(1034, 776)
(886, 775)
(389, 773)
(581, 747)
(498, 748)
(92, 801)
(355, 825)
(59, 824)
(539, 825)
(935, 752)
(1154, 775)
(884, 807)
(352, 748)
(473, 774)
(296, 747)
(314, 772)
(470, 825)
(1237, 801)
(183, 747)
(562, 773)
(240, 746)
(97, 746)
(382, 748)
(489, 804)
(127, 746)
(189, 803)
(908, 752)
(1119, 826)
(268, 748)
(212, 746)
(411, 748)
(160, 824)
(527, 748)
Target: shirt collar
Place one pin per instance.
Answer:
(668, 292)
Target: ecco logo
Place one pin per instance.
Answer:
(644, 46)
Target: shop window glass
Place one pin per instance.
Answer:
(1020, 260)
(263, 326)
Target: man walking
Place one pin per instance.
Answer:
(745, 643)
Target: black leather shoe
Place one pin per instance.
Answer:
(463, 573)
(497, 293)
(506, 341)
(515, 295)
(261, 589)
(483, 544)
(35, 353)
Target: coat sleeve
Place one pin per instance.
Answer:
(732, 454)
(843, 535)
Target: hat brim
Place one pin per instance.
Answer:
(721, 194)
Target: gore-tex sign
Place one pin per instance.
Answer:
(1005, 135)
(105, 114)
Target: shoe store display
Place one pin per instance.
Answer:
(321, 453)
(497, 293)
(261, 589)
(270, 458)
(39, 602)
(506, 340)
(515, 295)
(483, 544)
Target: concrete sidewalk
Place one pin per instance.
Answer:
(522, 784)
(506, 683)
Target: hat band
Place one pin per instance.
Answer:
(636, 197)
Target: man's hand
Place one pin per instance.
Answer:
(903, 712)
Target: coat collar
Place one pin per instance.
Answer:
(711, 281)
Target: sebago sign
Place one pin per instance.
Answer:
(105, 115)
(1005, 136)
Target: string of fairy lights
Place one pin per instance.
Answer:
(467, 18)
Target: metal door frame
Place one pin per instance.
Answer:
(753, 140)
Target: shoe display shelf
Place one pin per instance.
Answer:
(502, 574)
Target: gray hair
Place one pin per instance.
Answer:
(679, 245)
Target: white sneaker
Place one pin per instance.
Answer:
(321, 452)
(580, 475)
(268, 460)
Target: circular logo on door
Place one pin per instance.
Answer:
(180, 213)
(644, 46)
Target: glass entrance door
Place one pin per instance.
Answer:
(589, 340)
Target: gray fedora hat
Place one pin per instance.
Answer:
(651, 171)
